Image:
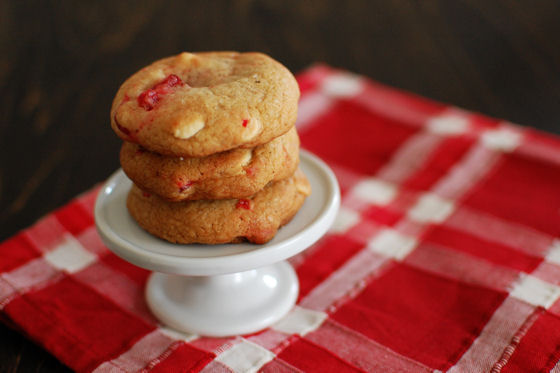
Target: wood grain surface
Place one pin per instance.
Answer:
(61, 62)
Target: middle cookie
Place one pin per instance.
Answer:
(235, 173)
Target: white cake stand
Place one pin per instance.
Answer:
(219, 290)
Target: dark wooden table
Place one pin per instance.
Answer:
(62, 61)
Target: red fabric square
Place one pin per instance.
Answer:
(309, 357)
(331, 253)
(543, 139)
(87, 200)
(382, 215)
(77, 324)
(308, 81)
(137, 274)
(491, 251)
(423, 316)
(185, 358)
(15, 252)
(539, 350)
(524, 190)
(74, 217)
(482, 122)
(354, 137)
(438, 164)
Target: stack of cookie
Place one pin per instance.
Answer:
(210, 144)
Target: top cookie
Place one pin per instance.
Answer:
(196, 104)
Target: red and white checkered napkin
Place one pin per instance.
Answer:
(444, 256)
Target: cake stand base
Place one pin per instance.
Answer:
(222, 305)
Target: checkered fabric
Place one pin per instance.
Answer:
(444, 257)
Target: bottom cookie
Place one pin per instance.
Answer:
(255, 219)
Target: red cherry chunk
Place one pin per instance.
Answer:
(171, 81)
(245, 122)
(243, 204)
(150, 97)
(250, 171)
(184, 185)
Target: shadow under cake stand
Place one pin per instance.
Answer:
(219, 290)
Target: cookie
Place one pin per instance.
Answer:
(255, 219)
(196, 104)
(236, 173)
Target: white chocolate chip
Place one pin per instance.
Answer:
(252, 129)
(303, 188)
(247, 156)
(242, 159)
(185, 130)
(185, 57)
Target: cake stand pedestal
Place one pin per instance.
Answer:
(219, 290)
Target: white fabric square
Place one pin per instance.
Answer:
(70, 255)
(300, 321)
(6, 291)
(30, 274)
(141, 353)
(342, 85)
(345, 219)
(431, 208)
(448, 124)
(535, 291)
(310, 107)
(245, 356)
(553, 254)
(46, 233)
(375, 191)
(501, 139)
(391, 243)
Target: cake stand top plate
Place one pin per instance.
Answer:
(128, 240)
